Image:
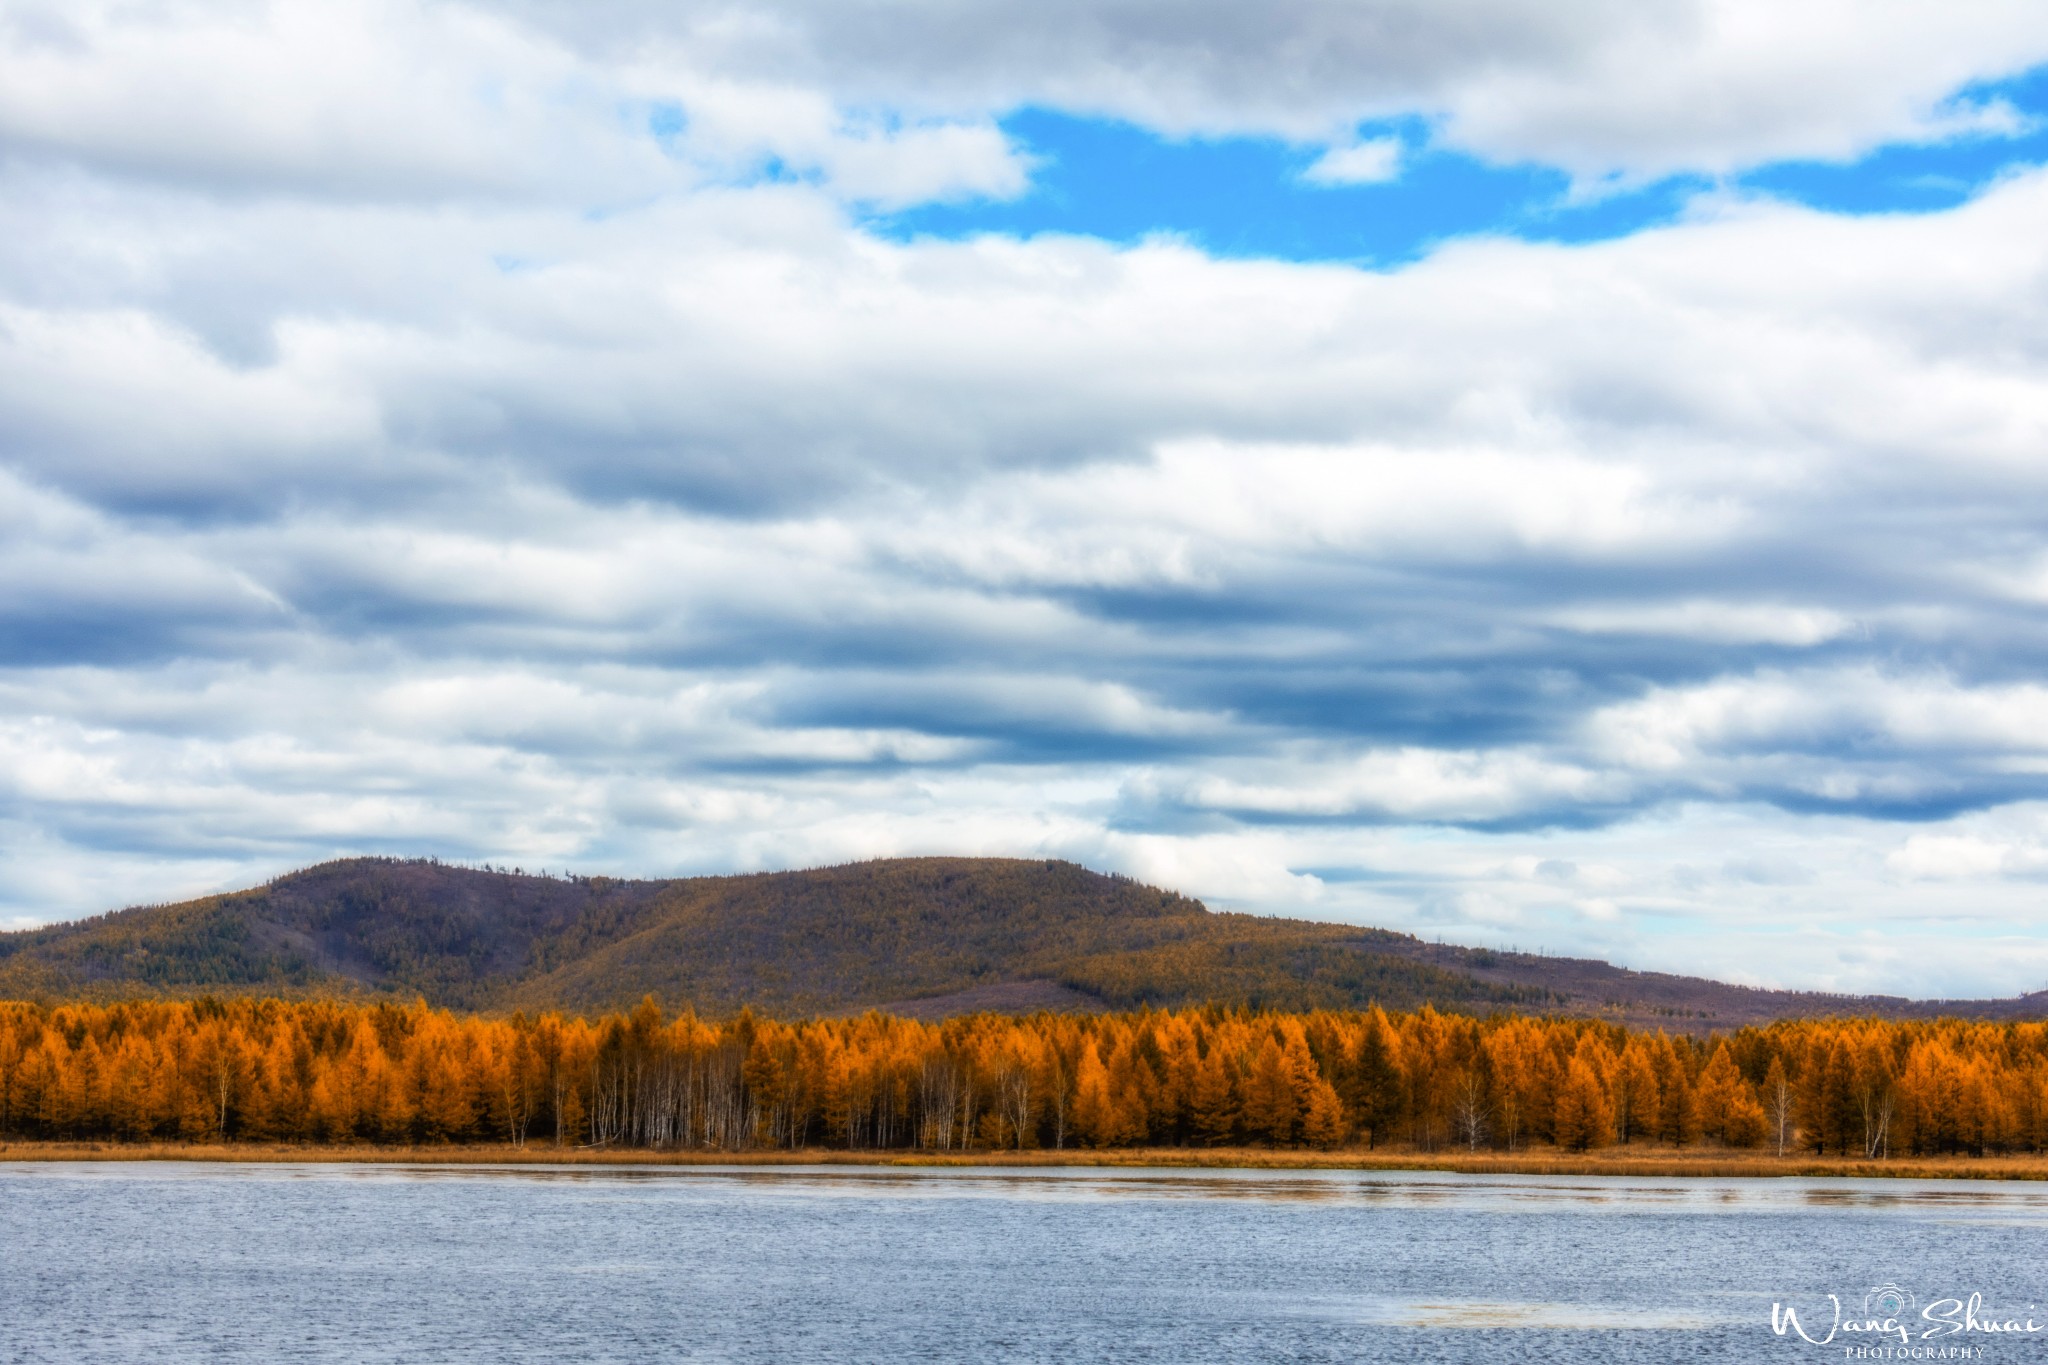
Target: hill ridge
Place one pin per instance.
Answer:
(923, 935)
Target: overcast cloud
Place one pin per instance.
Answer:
(495, 432)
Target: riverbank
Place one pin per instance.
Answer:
(1619, 1161)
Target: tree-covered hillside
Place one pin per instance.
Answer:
(821, 941)
(922, 936)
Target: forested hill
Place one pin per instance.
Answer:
(925, 936)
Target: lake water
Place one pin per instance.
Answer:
(166, 1263)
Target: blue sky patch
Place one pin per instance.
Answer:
(1926, 178)
(1249, 196)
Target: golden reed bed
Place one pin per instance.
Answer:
(1640, 1162)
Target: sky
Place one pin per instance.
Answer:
(1558, 474)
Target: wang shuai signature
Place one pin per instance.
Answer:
(1888, 1316)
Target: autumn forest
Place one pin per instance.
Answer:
(339, 1073)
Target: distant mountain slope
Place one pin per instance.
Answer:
(924, 935)
(822, 941)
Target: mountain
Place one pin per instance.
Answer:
(924, 936)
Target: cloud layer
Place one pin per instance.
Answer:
(436, 429)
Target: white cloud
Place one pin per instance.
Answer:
(1717, 86)
(486, 432)
(1358, 163)
(1822, 712)
(398, 99)
(1402, 784)
(1728, 622)
(893, 103)
(1599, 87)
(367, 96)
(1950, 856)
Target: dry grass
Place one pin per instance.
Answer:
(1628, 1161)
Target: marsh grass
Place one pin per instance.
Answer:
(1636, 1162)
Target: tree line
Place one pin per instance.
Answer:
(344, 1073)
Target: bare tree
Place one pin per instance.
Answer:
(222, 1064)
(1877, 1121)
(1469, 1109)
(939, 1102)
(1059, 1100)
(1510, 1116)
(516, 1090)
(1013, 1099)
(1778, 1105)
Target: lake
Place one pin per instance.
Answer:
(166, 1262)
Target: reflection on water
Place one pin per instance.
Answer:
(1554, 1317)
(169, 1263)
(1618, 1194)
(2007, 1200)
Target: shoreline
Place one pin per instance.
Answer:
(1641, 1162)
